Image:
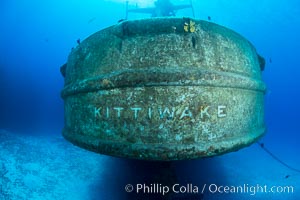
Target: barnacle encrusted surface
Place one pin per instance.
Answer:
(164, 89)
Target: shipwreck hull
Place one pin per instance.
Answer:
(164, 89)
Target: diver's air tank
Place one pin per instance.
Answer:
(164, 89)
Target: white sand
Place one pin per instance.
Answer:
(49, 167)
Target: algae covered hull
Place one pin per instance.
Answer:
(163, 89)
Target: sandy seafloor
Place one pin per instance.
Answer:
(49, 167)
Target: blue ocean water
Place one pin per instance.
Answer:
(37, 163)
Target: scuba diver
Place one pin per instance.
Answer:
(163, 8)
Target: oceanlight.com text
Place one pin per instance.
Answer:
(189, 188)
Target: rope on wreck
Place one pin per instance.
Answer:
(262, 145)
